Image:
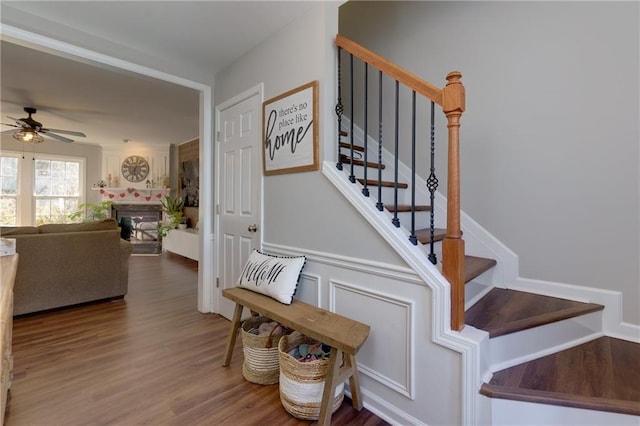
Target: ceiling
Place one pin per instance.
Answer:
(111, 105)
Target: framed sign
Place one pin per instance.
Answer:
(290, 131)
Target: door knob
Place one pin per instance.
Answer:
(252, 228)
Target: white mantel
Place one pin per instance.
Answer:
(131, 195)
(158, 157)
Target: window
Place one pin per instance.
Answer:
(56, 191)
(8, 191)
(43, 190)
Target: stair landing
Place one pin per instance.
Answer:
(603, 374)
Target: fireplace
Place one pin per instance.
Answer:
(139, 225)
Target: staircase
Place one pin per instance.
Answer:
(540, 349)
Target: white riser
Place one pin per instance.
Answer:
(506, 412)
(516, 348)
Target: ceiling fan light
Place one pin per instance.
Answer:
(28, 135)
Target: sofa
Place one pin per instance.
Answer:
(67, 264)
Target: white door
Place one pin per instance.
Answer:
(240, 186)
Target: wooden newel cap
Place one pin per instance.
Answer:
(454, 77)
(453, 97)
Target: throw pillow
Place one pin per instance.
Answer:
(273, 276)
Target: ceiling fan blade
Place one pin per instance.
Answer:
(7, 131)
(64, 132)
(19, 122)
(54, 136)
(12, 125)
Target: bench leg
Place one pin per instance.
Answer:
(330, 384)
(354, 382)
(233, 332)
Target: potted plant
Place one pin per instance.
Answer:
(183, 223)
(94, 211)
(173, 209)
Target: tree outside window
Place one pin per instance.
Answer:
(56, 191)
(45, 189)
(8, 191)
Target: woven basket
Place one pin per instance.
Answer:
(261, 364)
(302, 383)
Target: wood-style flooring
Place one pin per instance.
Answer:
(503, 311)
(150, 359)
(603, 374)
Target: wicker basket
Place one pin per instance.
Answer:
(261, 364)
(302, 383)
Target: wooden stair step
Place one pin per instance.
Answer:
(475, 266)
(343, 133)
(386, 184)
(424, 235)
(347, 159)
(503, 311)
(403, 208)
(598, 375)
(346, 145)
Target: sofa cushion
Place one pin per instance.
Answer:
(57, 228)
(7, 231)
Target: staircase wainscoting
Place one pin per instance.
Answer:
(400, 369)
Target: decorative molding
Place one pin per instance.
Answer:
(386, 411)
(312, 280)
(466, 342)
(381, 269)
(407, 388)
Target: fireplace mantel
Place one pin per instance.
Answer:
(133, 195)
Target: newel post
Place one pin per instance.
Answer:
(453, 100)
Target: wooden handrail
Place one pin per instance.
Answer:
(452, 100)
(387, 67)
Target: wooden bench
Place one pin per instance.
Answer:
(344, 335)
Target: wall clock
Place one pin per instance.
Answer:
(135, 168)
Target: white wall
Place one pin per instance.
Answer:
(303, 209)
(550, 152)
(350, 268)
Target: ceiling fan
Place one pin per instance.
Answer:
(31, 130)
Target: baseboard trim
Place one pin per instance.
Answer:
(612, 323)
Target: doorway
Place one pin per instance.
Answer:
(239, 194)
(206, 274)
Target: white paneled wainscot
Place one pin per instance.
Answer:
(400, 367)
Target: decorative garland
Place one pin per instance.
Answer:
(136, 193)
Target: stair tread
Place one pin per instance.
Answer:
(598, 375)
(347, 159)
(475, 266)
(424, 235)
(348, 146)
(388, 184)
(504, 311)
(407, 208)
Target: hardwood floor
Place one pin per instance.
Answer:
(151, 358)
